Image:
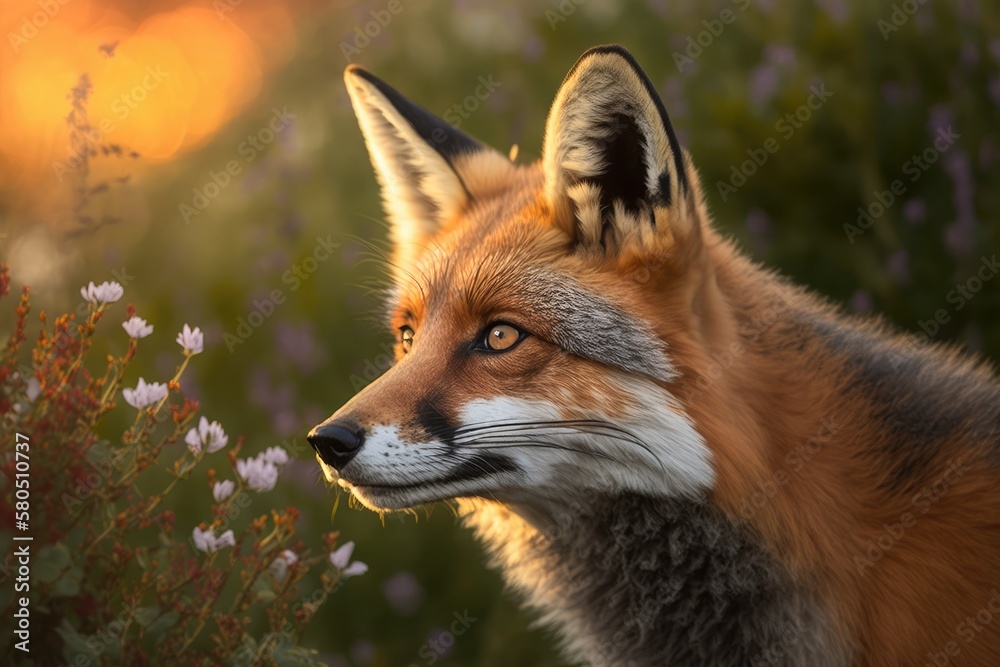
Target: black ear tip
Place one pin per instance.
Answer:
(608, 49)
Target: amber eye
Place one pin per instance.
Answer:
(500, 337)
(406, 338)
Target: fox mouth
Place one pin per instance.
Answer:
(468, 479)
(403, 496)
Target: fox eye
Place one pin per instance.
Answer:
(501, 337)
(406, 338)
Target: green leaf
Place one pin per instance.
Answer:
(113, 649)
(50, 563)
(245, 654)
(75, 537)
(296, 656)
(75, 645)
(99, 452)
(68, 584)
(146, 615)
(162, 624)
(263, 590)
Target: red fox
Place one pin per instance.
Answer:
(677, 456)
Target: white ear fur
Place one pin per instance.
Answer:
(608, 128)
(420, 190)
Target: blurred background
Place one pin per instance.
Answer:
(204, 153)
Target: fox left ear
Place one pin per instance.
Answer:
(612, 163)
(429, 170)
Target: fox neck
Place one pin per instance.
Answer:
(630, 580)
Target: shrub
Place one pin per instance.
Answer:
(116, 576)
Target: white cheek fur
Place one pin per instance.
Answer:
(673, 461)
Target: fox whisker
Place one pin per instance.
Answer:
(480, 432)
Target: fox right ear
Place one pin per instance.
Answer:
(429, 170)
(614, 170)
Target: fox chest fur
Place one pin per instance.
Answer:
(631, 581)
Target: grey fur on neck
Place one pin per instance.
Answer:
(634, 581)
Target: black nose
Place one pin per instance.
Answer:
(336, 442)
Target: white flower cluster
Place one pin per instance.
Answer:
(106, 292)
(192, 340)
(260, 473)
(341, 559)
(145, 395)
(210, 436)
(222, 490)
(205, 540)
(136, 327)
(283, 561)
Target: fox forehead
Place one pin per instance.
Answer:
(504, 264)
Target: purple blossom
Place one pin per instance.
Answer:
(995, 91)
(898, 267)
(837, 10)
(994, 49)
(404, 593)
(915, 211)
(861, 302)
(763, 84)
(533, 48)
(940, 117)
(363, 652)
(892, 92)
(673, 94)
(297, 343)
(970, 54)
(960, 237)
(781, 55)
(759, 227)
(988, 154)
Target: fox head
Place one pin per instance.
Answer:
(540, 312)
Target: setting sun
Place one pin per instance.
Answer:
(162, 83)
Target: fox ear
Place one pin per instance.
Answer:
(429, 170)
(612, 163)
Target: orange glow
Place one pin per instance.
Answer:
(165, 75)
